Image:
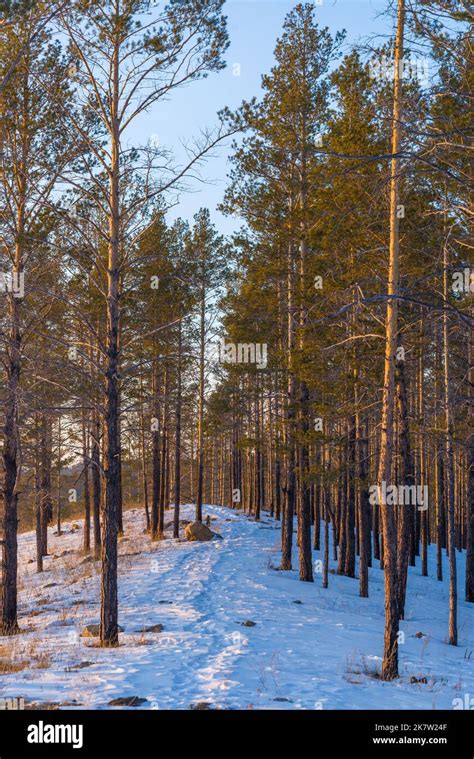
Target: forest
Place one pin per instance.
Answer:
(303, 384)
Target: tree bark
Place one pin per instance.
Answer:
(470, 476)
(45, 444)
(200, 436)
(86, 467)
(389, 532)
(109, 595)
(11, 442)
(289, 490)
(177, 449)
(96, 484)
(405, 525)
(448, 462)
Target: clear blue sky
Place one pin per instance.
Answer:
(254, 26)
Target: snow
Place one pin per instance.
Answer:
(321, 653)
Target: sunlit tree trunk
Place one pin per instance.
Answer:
(389, 531)
(200, 432)
(448, 461)
(109, 598)
(177, 449)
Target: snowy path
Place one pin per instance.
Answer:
(309, 649)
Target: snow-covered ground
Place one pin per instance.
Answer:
(310, 648)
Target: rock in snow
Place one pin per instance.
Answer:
(153, 629)
(128, 701)
(198, 531)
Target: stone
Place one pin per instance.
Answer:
(81, 665)
(198, 531)
(153, 629)
(128, 701)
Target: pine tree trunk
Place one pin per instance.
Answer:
(305, 549)
(304, 515)
(349, 564)
(177, 449)
(290, 461)
(258, 455)
(8, 598)
(470, 477)
(342, 522)
(156, 470)
(438, 462)
(448, 463)
(46, 454)
(37, 491)
(327, 506)
(143, 457)
(405, 525)
(421, 456)
(96, 485)
(58, 481)
(389, 532)
(87, 502)
(160, 532)
(109, 596)
(200, 441)
(362, 506)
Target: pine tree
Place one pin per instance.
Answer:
(34, 154)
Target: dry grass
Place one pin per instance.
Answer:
(20, 654)
(41, 661)
(66, 616)
(9, 660)
(9, 667)
(83, 571)
(142, 641)
(361, 667)
(134, 546)
(39, 658)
